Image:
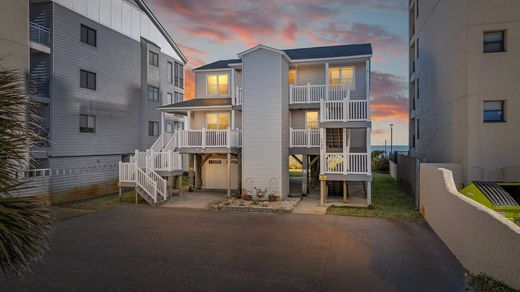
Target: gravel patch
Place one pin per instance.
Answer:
(235, 204)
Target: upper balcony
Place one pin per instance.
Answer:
(40, 38)
(209, 139)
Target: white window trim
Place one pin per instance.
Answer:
(217, 95)
(353, 85)
(216, 113)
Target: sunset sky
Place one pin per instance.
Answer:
(209, 30)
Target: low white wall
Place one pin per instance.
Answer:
(482, 240)
(393, 169)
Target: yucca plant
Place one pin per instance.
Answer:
(24, 221)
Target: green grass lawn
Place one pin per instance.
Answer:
(297, 172)
(389, 200)
(74, 209)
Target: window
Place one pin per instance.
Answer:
(417, 9)
(179, 97)
(217, 84)
(153, 128)
(153, 93)
(292, 77)
(342, 75)
(87, 124)
(88, 35)
(169, 127)
(87, 80)
(494, 111)
(418, 95)
(217, 121)
(179, 75)
(153, 58)
(311, 120)
(417, 47)
(418, 129)
(494, 41)
(169, 98)
(170, 72)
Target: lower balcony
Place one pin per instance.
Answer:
(304, 138)
(205, 138)
(346, 163)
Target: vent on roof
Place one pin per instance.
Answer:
(495, 193)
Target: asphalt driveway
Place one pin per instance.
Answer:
(145, 249)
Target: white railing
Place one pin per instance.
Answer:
(161, 142)
(314, 93)
(161, 185)
(239, 95)
(126, 171)
(346, 163)
(39, 34)
(173, 143)
(139, 159)
(304, 138)
(209, 138)
(334, 111)
(166, 160)
(146, 183)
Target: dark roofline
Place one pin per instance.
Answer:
(162, 29)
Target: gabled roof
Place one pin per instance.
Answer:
(222, 64)
(326, 52)
(199, 102)
(159, 26)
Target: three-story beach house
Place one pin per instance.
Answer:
(250, 114)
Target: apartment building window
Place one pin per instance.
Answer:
(418, 129)
(87, 79)
(342, 75)
(292, 77)
(217, 84)
(418, 95)
(311, 120)
(417, 49)
(87, 124)
(88, 35)
(217, 121)
(170, 72)
(169, 127)
(417, 9)
(494, 41)
(179, 75)
(494, 111)
(179, 97)
(153, 128)
(153, 58)
(169, 98)
(153, 93)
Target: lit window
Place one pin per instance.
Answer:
(217, 121)
(217, 85)
(494, 42)
(311, 120)
(494, 111)
(87, 124)
(342, 75)
(292, 77)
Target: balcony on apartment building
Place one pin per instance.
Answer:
(346, 163)
(209, 139)
(334, 101)
(40, 37)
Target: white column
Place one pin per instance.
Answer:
(187, 125)
(163, 127)
(233, 119)
(345, 152)
(326, 81)
(233, 93)
(323, 146)
(369, 193)
(369, 150)
(368, 87)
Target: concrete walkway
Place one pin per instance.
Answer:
(195, 200)
(131, 248)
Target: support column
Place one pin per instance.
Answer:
(229, 175)
(239, 172)
(198, 171)
(305, 174)
(369, 193)
(120, 194)
(191, 171)
(323, 192)
(179, 184)
(187, 125)
(170, 185)
(345, 191)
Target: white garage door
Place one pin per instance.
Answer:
(214, 174)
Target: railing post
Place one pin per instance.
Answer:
(228, 137)
(345, 109)
(308, 99)
(203, 138)
(308, 138)
(290, 93)
(322, 109)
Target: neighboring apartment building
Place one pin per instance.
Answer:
(99, 70)
(464, 89)
(250, 114)
(14, 35)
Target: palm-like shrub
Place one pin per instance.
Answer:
(24, 221)
(380, 160)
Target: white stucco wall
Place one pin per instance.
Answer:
(481, 239)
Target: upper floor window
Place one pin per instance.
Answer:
(342, 75)
(418, 129)
(217, 84)
(88, 35)
(153, 93)
(170, 72)
(169, 98)
(153, 128)
(153, 58)
(494, 41)
(179, 75)
(292, 77)
(494, 111)
(87, 124)
(179, 97)
(418, 94)
(311, 120)
(87, 79)
(217, 121)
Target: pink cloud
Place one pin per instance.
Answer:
(389, 101)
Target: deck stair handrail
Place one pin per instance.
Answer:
(173, 143)
(161, 142)
(39, 34)
(147, 184)
(160, 183)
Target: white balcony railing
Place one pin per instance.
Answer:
(299, 94)
(210, 138)
(239, 96)
(343, 110)
(39, 34)
(346, 163)
(305, 138)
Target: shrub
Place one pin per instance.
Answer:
(380, 161)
